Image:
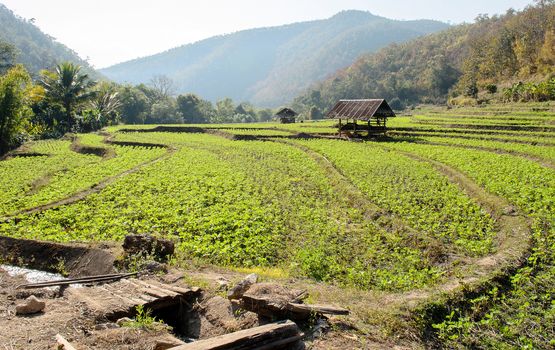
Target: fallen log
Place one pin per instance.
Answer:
(63, 344)
(83, 280)
(276, 308)
(267, 337)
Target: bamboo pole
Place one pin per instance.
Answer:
(66, 282)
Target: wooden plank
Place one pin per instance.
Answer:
(125, 301)
(322, 309)
(159, 290)
(169, 287)
(63, 344)
(180, 290)
(154, 293)
(264, 337)
(147, 298)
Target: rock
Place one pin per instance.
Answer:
(223, 284)
(146, 245)
(155, 267)
(213, 317)
(32, 305)
(122, 321)
(241, 287)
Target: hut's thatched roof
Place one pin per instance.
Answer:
(286, 113)
(361, 109)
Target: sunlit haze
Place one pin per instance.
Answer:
(108, 32)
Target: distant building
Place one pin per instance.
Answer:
(286, 115)
(372, 111)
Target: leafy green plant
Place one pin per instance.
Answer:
(144, 319)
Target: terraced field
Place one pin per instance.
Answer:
(445, 225)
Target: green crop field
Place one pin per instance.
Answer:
(454, 207)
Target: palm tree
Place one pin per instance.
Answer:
(106, 100)
(67, 86)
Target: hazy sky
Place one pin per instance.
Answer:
(111, 31)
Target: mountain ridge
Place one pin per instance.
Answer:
(270, 65)
(461, 62)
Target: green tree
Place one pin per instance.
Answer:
(165, 112)
(546, 58)
(491, 88)
(265, 115)
(315, 113)
(207, 110)
(7, 57)
(190, 107)
(14, 106)
(69, 87)
(134, 105)
(225, 110)
(103, 108)
(106, 101)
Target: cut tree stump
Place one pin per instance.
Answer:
(115, 300)
(268, 337)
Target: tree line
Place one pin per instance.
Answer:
(66, 99)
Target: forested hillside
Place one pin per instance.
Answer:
(35, 49)
(269, 66)
(464, 61)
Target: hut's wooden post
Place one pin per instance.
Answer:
(340, 127)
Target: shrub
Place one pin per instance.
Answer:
(491, 88)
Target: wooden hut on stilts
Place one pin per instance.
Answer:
(374, 112)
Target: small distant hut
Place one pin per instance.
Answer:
(286, 115)
(372, 111)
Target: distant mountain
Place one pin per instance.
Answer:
(269, 66)
(36, 50)
(464, 60)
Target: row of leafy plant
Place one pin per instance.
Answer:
(523, 316)
(414, 191)
(252, 203)
(59, 172)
